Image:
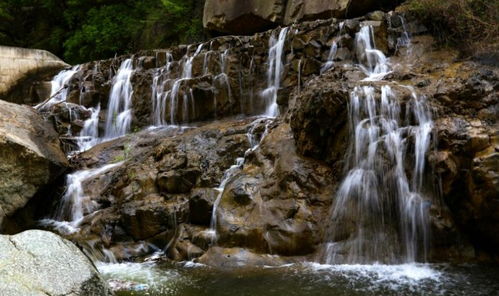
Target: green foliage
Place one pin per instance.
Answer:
(461, 22)
(83, 30)
(107, 30)
(174, 6)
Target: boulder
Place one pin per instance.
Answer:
(301, 10)
(242, 17)
(251, 16)
(23, 72)
(41, 263)
(30, 156)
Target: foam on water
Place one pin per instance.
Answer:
(140, 277)
(378, 276)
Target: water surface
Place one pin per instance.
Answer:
(303, 279)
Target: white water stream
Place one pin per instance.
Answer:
(382, 202)
(59, 88)
(119, 110)
(275, 70)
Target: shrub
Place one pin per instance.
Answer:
(460, 22)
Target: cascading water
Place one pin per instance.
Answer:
(75, 203)
(89, 135)
(186, 75)
(223, 72)
(119, 110)
(372, 61)
(276, 67)
(384, 211)
(330, 59)
(59, 88)
(159, 92)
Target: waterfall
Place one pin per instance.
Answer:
(223, 72)
(186, 75)
(405, 39)
(75, 204)
(372, 61)
(330, 60)
(89, 135)
(119, 111)
(187, 71)
(274, 73)
(159, 93)
(59, 88)
(385, 212)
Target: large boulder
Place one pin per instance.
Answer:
(24, 71)
(251, 16)
(242, 17)
(30, 156)
(41, 263)
(299, 10)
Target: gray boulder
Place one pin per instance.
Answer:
(41, 263)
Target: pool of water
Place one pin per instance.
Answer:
(302, 279)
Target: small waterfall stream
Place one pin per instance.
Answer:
(75, 203)
(59, 88)
(159, 92)
(380, 211)
(119, 110)
(378, 199)
(89, 135)
(275, 70)
(373, 62)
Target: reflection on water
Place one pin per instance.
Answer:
(303, 279)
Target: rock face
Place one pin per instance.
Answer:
(187, 191)
(30, 156)
(25, 74)
(246, 17)
(41, 263)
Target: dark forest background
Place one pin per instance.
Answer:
(84, 30)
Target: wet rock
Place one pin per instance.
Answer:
(41, 263)
(201, 206)
(318, 119)
(145, 219)
(177, 181)
(271, 206)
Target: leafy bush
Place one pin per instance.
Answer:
(461, 22)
